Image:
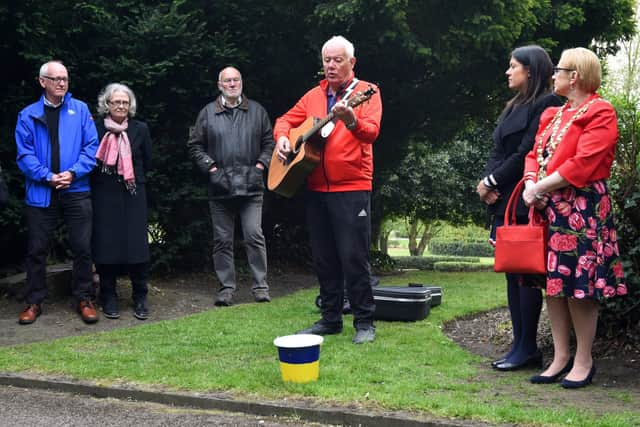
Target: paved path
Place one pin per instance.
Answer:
(21, 407)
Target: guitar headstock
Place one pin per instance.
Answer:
(361, 97)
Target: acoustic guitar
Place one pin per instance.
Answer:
(286, 177)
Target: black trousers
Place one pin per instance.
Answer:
(138, 274)
(76, 210)
(339, 227)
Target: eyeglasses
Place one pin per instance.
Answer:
(233, 79)
(57, 80)
(118, 103)
(556, 70)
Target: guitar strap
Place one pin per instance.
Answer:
(349, 90)
(346, 93)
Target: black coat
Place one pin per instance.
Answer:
(119, 217)
(513, 138)
(234, 139)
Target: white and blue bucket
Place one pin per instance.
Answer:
(299, 357)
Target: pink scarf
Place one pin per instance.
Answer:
(115, 152)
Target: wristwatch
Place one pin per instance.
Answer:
(352, 125)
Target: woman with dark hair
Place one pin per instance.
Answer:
(120, 241)
(529, 75)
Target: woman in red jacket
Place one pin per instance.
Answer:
(566, 176)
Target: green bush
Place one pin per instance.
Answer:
(428, 262)
(440, 246)
(382, 263)
(461, 266)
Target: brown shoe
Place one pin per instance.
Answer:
(88, 312)
(29, 314)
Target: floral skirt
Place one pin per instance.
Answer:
(583, 261)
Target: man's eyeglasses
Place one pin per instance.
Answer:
(233, 79)
(57, 80)
(556, 70)
(118, 103)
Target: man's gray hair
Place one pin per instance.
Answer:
(44, 69)
(339, 40)
(107, 93)
(227, 68)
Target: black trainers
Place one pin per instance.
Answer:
(110, 307)
(322, 328)
(261, 295)
(141, 311)
(364, 335)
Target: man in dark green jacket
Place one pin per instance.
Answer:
(232, 142)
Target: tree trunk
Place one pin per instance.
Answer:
(424, 241)
(412, 228)
(383, 242)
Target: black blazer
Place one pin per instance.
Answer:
(513, 138)
(140, 140)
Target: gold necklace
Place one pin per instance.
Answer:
(556, 136)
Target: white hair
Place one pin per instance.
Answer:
(228, 68)
(44, 69)
(341, 41)
(107, 93)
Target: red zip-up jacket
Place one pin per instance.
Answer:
(347, 159)
(588, 148)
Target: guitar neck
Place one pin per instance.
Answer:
(317, 127)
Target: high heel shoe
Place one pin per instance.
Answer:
(535, 360)
(542, 379)
(578, 384)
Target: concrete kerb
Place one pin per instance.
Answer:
(321, 415)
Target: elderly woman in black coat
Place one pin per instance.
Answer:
(529, 76)
(120, 241)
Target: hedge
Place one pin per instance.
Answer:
(428, 262)
(461, 266)
(460, 248)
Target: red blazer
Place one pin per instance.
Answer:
(587, 150)
(347, 160)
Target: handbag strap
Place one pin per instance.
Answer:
(512, 205)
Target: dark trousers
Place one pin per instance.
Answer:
(138, 274)
(76, 210)
(340, 234)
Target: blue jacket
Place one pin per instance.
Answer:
(78, 146)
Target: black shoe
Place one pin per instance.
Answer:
(110, 306)
(224, 299)
(498, 361)
(364, 335)
(261, 295)
(140, 311)
(322, 328)
(542, 379)
(535, 360)
(578, 384)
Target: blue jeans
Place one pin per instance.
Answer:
(77, 212)
(223, 215)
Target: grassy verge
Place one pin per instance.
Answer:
(411, 366)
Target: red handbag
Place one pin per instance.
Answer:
(521, 248)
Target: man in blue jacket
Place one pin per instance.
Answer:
(56, 143)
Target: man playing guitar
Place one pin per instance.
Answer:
(338, 189)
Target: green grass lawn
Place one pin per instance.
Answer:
(410, 366)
